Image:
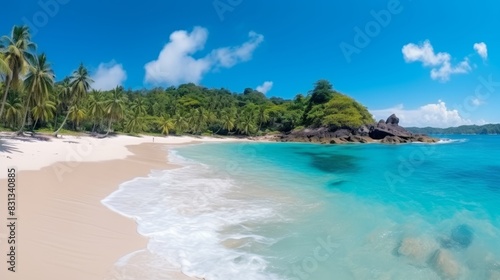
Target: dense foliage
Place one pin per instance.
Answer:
(464, 129)
(33, 100)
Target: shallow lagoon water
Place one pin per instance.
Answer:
(306, 211)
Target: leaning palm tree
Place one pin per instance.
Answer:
(38, 84)
(79, 86)
(114, 107)
(17, 50)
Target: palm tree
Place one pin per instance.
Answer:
(43, 111)
(17, 50)
(166, 124)
(4, 66)
(228, 119)
(13, 110)
(114, 107)
(95, 106)
(181, 122)
(262, 115)
(139, 106)
(198, 120)
(39, 83)
(135, 123)
(61, 98)
(77, 114)
(246, 124)
(79, 85)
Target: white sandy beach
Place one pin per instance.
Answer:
(63, 229)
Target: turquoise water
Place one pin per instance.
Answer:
(306, 211)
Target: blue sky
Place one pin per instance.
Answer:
(431, 62)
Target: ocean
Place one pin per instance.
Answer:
(307, 211)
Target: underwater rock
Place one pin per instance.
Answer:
(445, 264)
(418, 250)
(461, 237)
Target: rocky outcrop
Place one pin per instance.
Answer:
(388, 132)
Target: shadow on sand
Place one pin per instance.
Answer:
(8, 147)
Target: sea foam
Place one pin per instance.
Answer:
(188, 219)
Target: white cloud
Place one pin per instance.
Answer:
(176, 64)
(108, 76)
(230, 56)
(477, 102)
(433, 115)
(439, 62)
(265, 87)
(481, 49)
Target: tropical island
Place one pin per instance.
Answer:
(32, 100)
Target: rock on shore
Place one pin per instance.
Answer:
(387, 131)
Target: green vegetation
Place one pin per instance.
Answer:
(464, 129)
(33, 100)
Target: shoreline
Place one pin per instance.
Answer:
(64, 231)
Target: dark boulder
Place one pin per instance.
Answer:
(392, 120)
(341, 133)
(363, 131)
(389, 128)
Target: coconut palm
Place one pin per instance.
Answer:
(246, 123)
(95, 107)
(198, 120)
(165, 124)
(43, 111)
(79, 85)
(4, 66)
(262, 115)
(61, 98)
(17, 50)
(114, 107)
(135, 123)
(139, 106)
(181, 122)
(77, 114)
(38, 83)
(228, 119)
(13, 110)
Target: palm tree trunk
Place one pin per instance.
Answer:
(55, 119)
(34, 125)
(62, 124)
(93, 127)
(5, 97)
(220, 127)
(21, 129)
(109, 126)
